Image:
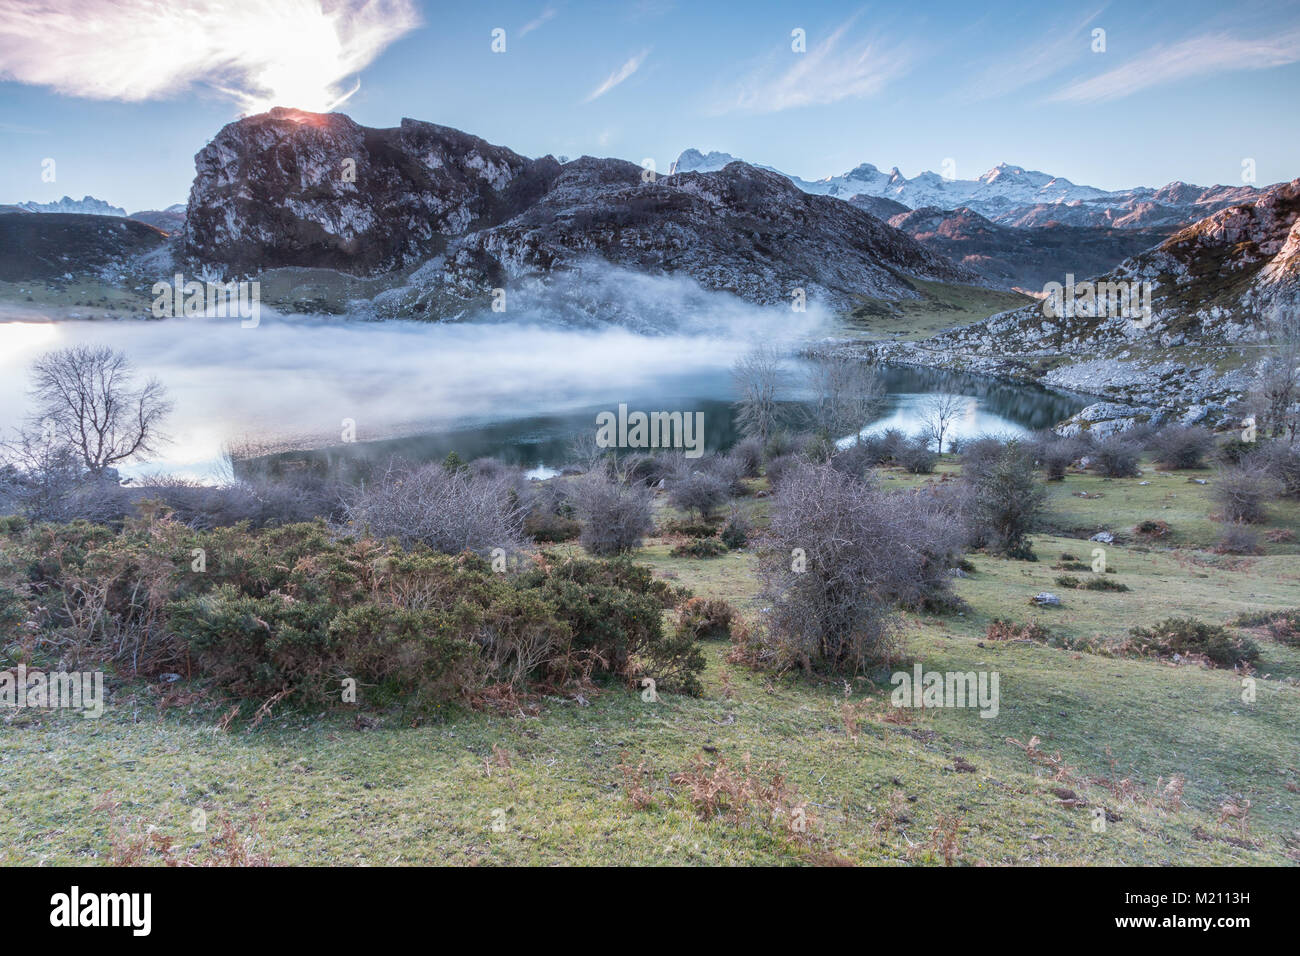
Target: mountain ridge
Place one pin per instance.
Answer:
(1015, 196)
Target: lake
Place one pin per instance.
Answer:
(353, 392)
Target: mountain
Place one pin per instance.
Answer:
(277, 190)
(58, 244)
(1015, 196)
(1213, 287)
(170, 220)
(88, 205)
(1012, 258)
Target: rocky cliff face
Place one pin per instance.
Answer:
(270, 192)
(293, 188)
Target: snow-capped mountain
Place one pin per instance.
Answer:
(87, 206)
(1014, 196)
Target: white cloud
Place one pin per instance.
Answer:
(296, 53)
(1202, 55)
(831, 70)
(541, 18)
(618, 76)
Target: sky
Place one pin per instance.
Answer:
(120, 94)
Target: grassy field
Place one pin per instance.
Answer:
(596, 779)
(941, 306)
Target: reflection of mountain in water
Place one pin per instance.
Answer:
(533, 440)
(1027, 406)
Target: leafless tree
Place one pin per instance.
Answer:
(1276, 392)
(86, 401)
(759, 380)
(839, 554)
(940, 411)
(846, 393)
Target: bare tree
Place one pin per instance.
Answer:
(759, 380)
(839, 555)
(1276, 393)
(85, 400)
(846, 392)
(940, 411)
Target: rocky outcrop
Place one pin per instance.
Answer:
(1213, 288)
(288, 188)
(270, 193)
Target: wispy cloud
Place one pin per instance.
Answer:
(294, 53)
(1197, 56)
(618, 76)
(542, 18)
(1054, 50)
(831, 70)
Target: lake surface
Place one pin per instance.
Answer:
(355, 392)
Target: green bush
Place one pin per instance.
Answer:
(700, 548)
(1188, 636)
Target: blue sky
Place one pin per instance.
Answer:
(121, 95)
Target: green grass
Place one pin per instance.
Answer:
(431, 793)
(941, 306)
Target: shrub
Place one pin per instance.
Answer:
(1282, 626)
(1056, 455)
(736, 530)
(698, 494)
(1235, 451)
(748, 454)
(838, 554)
(1188, 636)
(1282, 463)
(1000, 630)
(700, 548)
(857, 459)
(443, 507)
(1240, 491)
(615, 517)
(704, 619)
(1238, 539)
(652, 469)
(687, 527)
(1152, 528)
(1116, 457)
(1096, 582)
(546, 528)
(1181, 446)
(979, 455)
(613, 610)
(727, 470)
(1007, 502)
(778, 467)
(916, 456)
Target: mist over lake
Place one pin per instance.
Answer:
(518, 390)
